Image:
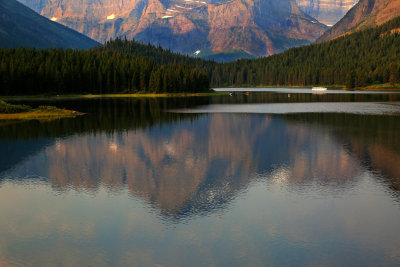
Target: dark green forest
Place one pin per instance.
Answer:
(368, 57)
(157, 53)
(371, 56)
(59, 71)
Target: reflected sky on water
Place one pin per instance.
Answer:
(130, 184)
(364, 108)
(307, 90)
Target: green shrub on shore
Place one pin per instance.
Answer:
(10, 108)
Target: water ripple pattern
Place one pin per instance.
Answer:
(287, 108)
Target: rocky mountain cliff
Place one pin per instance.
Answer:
(367, 13)
(21, 26)
(326, 11)
(204, 28)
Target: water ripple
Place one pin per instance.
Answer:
(364, 108)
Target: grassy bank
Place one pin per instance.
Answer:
(23, 112)
(383, 87)
(138, 95)
(122, 95)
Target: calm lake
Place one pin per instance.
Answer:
(275, 178)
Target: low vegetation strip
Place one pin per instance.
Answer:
(23, 112)
(118, 95)
(6, 108)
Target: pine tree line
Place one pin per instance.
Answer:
(371, 56)
(58, 71)
(160, 55)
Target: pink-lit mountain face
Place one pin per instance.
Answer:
(253, 27)
(367, 13)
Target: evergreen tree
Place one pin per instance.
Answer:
(392, 78)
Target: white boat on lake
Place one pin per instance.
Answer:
(319, 89)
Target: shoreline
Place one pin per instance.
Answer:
(338, 87)
(22, 112)
(41, 115)
(374, 89)
(171, 95)
(121, 95)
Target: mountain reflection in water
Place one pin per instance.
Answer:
(132, 185)
(198, 166)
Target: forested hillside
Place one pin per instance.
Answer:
(157, 53)
(363, 58)
(356, 60)
(58, 71)
(365, 14)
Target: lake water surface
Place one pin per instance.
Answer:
(259, 179)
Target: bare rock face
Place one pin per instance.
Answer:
(204, 27)
(367, 13)
(326, 11)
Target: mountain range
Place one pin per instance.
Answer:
(248, 28)
(21, 26)
(219, 29)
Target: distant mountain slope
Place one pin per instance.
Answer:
(21, 26)
(366, 57)
(208, 28)
(367, 13)
(326, 11)
(252, 27)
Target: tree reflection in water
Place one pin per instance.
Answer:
(129, 184)
(194, 164)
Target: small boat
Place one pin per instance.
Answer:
(319, 89)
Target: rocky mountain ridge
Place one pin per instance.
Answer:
(203, 28)
(367, 13)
